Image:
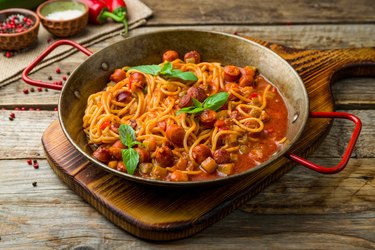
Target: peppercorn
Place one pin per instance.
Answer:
(12, 115)
(50, 78)
(40, 89)
(58, 70)
(25, 90)
(29, 161)
(35, 184)
(36, 165)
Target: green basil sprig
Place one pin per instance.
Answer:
(130, 157)
(213, 102)
(166, 71)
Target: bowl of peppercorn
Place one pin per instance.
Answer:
(18, 28)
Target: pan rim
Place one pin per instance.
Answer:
(191, 184)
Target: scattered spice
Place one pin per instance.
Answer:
(58, 70)
(11, 118)
(8, 54)
(16, 23)
(12, 115)
(32, 89)
(55, 109)
(46, 89)
(38, 109)
(49, 39)
(68, 73)
(64, 78)
(35, 184)
(50, 78)
(36, 165)
(23, 108)
(29, 161)
(25, 90)
(16, 108)
(35, 160)
(40, 89)
(31, 109)
(59, 82)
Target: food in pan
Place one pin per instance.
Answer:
(185, 120)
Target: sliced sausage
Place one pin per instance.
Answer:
(200, 153)
(116, 148)
(192, 57)
(231, 73)
(247, 76)
(164, 156)
(144, 155)
(175, 134)
(185, 101)
(170, 55)
(124, 96)
(118, 75)
(197, 93)
(137, 80)
(102, 154)
(222, 156)
(208, 118)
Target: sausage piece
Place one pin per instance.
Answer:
(208, 118)
(102, 154)
(231, 73)
(192, 57)
(164, 156)
(170, 55)
(144, 155)
(175, 134)
(137, 80)
(115, 149)
(197, 93)
(247, 77)
(200, 153)
(222, 156)
(185, 101)
(118, 75)
(124, 96)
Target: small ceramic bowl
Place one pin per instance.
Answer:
(21, 40)
(63, 18)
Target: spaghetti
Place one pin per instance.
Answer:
(249, 127)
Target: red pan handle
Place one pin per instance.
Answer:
(342, 164)
(38, 83)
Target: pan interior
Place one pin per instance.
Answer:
(92, 75)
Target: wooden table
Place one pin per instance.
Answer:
(302, 210)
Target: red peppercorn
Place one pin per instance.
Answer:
(58, 70)
(16, 108)
(38, 109)
(59, 82)
(36, 165)
(55, 109)
(23, 108)
(29, 161)
(40, 89)
(31, 109)
(64, 78)
(12, 115)
(25, 91)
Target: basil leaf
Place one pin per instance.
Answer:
(216, 101)
(167, 69)
(186, 76)
(127, 135)
(197, 103)
(190, 110)
(152, 69)
(130, 157)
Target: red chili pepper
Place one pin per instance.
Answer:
(105, 124)
(253, 95)
(118, 7)
(98, 12)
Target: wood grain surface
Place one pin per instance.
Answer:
(303, 210)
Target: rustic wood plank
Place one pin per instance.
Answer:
(338, 214)
(21, 138)
(192, 12)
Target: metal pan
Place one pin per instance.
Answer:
(92, 75)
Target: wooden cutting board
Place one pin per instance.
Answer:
(165, 214)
